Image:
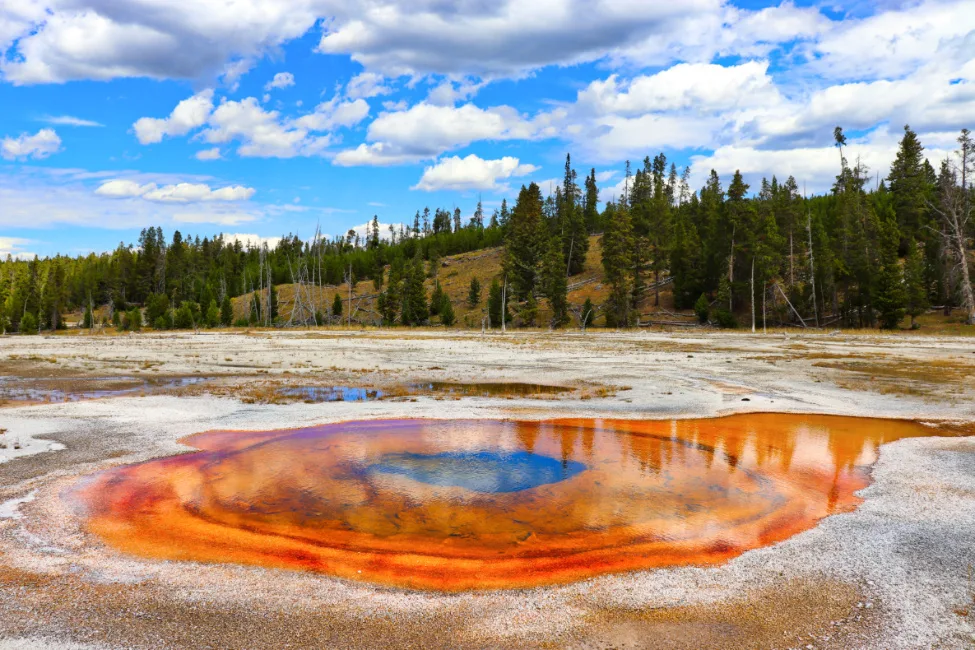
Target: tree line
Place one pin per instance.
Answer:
(864, 254)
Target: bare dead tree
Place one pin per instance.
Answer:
(348, 278)
(954, 209)
(812, 268)
(583, 315)
(504, 304)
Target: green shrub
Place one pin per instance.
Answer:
(447, 316)
(588, 313)
(133, 320)
(702, 308)
(213, 314)
(726, 319)
(28, 324)
(157, 305)
(184, 317)
(226, 311)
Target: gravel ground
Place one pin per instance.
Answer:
(896, 573)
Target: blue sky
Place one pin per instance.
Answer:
(257, 118)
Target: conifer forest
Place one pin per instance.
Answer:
(869, 253)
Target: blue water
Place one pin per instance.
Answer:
(332, 393)
(483, 471)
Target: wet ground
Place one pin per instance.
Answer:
(15, 391)
(888, 568)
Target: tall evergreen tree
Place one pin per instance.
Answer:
(416, 309)
(591, 206)
(572, 222)
(686, 267)
(474, 293)
(226, 311)
(437, 299)
(554, 284)
(908, 182)
(525, 243)
(890, 297)
(617, 242)
(916, 291)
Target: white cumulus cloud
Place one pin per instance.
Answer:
(174, 193)
(209, 154)
(263, 134)
(40, 145)
(188, 115)
(365, 85)
(249, 240)
(62, 40)
(471, 173)
(280, 80)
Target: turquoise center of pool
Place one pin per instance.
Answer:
(483, 471)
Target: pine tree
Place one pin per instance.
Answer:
(504, 215)
(702, 309)
(529, 311)
(256, 310)
(337, 307)
(588, 313)
(474, 293)
(437, 299)
(374, 233)
(591, 207)
(909, 183)
(659, 219)
(916, 299)
(447, 317)
(525, 243)
(617, 244)
(686, 267)
(213, 314)
(723, 313)
(415, 306)
(133, 320)
(572, 222)
(226, 311)
(762, 244)
(715, 232)
(28, 323)
(390, 301)
(495, 304)
(887, 295)
(554, 284)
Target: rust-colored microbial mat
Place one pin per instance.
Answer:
(479, 504)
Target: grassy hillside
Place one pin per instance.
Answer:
(455, 275)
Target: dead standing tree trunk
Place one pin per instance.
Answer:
(954, 210)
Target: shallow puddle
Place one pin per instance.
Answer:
(489, 389)
(60, 390)
(459, 505)
(316, 394)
